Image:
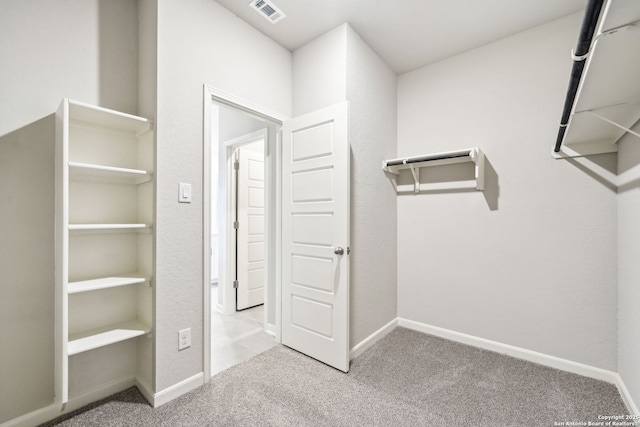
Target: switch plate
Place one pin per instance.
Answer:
(184, 193)
(184, 339)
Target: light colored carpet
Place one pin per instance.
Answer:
(406, 379)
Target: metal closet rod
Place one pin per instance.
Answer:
(589, 23)
(418, 159)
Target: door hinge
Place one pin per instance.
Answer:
(236, 165)
(236, 224)
(235, 284)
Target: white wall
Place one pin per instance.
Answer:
(198, 42)
(27, 265)
(628, 266)
(320, 72)
(80, 49)
(335, 67)
(531, 261)
(372, 95)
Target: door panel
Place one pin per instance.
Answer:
(312, 272)
(315, 222)
(312, 185)
(311, 229)
(250, 236)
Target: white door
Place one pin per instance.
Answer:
(250, 229)
(315, 235)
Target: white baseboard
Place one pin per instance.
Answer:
(517, 352)
(270, 328)
(50, 412)
(100, 393)
(365, 344)
(177, 390)
(36, 417)
(219, 308)
(626, 397)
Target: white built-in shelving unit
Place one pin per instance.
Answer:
(104, 251)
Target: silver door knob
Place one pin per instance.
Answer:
(338, 251)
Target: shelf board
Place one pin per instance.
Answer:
(101, 337)
(109, 227)
(105, 283)
(94, 115)
(108, 173)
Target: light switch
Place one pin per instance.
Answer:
(185, 193)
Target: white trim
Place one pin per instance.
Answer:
(99, 393)
(271, 329)
(277, 229)
(219, 308)
(206, 230)
(53, 411)
(243, 104)
(517, 352)
(626, 396)
(36, 417)
(368, 342)
(177, 390)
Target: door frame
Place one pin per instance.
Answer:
(273, 209)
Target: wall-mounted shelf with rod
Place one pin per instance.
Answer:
(603, 97)
(414, 164)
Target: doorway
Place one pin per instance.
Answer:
(306, 228)
(240, 230)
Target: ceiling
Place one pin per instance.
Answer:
(407, 34)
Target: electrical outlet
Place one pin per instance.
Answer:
(184, 339)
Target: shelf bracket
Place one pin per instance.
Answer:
(416, 179)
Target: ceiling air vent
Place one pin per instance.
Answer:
(268, 10)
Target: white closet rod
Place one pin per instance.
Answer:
(428, 158)
(437, 159)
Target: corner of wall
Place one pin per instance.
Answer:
(320, 72)
(628, 241)
(372, 95)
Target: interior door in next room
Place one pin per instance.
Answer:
(250, 259)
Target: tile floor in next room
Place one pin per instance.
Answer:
(237, 337)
